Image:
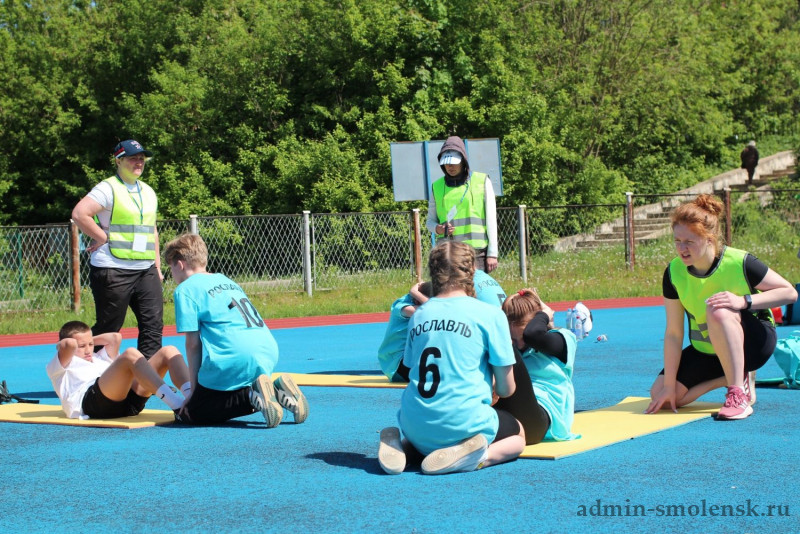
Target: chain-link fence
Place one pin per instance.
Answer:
(349, 247)
(35, 270)
(308, 252)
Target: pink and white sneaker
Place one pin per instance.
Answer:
(737, 405)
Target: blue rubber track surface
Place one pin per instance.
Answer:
(323, 475)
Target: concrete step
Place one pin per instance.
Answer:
(656, 224)
(660, 215)
(618, 231)
(779, 174)
(607, 237)
(607, 242)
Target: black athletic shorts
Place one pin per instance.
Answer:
(508, 427)
(98, 406)
(759, 342)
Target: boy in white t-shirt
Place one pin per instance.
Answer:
(106, 384)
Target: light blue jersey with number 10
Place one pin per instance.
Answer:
(451, 344)
(487, 289)
(237, 345)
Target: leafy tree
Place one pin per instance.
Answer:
(279, 106)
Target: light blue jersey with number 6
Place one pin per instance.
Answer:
(451, 344)
(237, 345)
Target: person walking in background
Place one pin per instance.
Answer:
(749, 158)
(119, 214)
(462, 205)
(726, 295)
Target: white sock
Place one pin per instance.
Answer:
(172, 399)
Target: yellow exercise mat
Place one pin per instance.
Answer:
(620, 422)
(50, 414)
(353, 381)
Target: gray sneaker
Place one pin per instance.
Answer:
(291, 398)
(262, 398)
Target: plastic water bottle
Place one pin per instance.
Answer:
(570, 319)
(578, 327)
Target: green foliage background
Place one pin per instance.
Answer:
(276, 106)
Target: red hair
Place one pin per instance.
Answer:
(702, 217)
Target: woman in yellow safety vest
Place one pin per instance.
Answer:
(726, 295)
(462, 205)
(119, 215)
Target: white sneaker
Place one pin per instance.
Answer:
(468, 455)
(391, 455)
(291, 398)
(262, 398)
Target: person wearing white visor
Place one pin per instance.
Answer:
(462, 206)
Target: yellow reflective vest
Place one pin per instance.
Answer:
(469, 224)
(132, 229)
(693, 291)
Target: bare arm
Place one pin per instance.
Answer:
(194, 353)
(111, 341)
(775, 291)
(158, 256)
(66, 350)
(83, 215)
(504, 380)
(418, 295)
(673, 340)
(673, 347)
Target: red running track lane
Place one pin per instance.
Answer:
(16, 340)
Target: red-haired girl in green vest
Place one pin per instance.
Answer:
(726, 295)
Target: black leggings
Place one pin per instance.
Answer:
(523, 404)
(210, 406)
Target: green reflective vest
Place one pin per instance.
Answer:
(693, 291)
(470, 201)
(132, 229)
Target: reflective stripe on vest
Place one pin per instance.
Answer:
(132, 217)
(469, 224)
(693, 291)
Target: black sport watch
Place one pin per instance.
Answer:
(748, 301)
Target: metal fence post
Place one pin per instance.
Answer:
(193, 224)
(20, 265)
(523, 243)
(307, 252)
(417, 244)
(75, 265)
(726, 195)
(630, 254)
